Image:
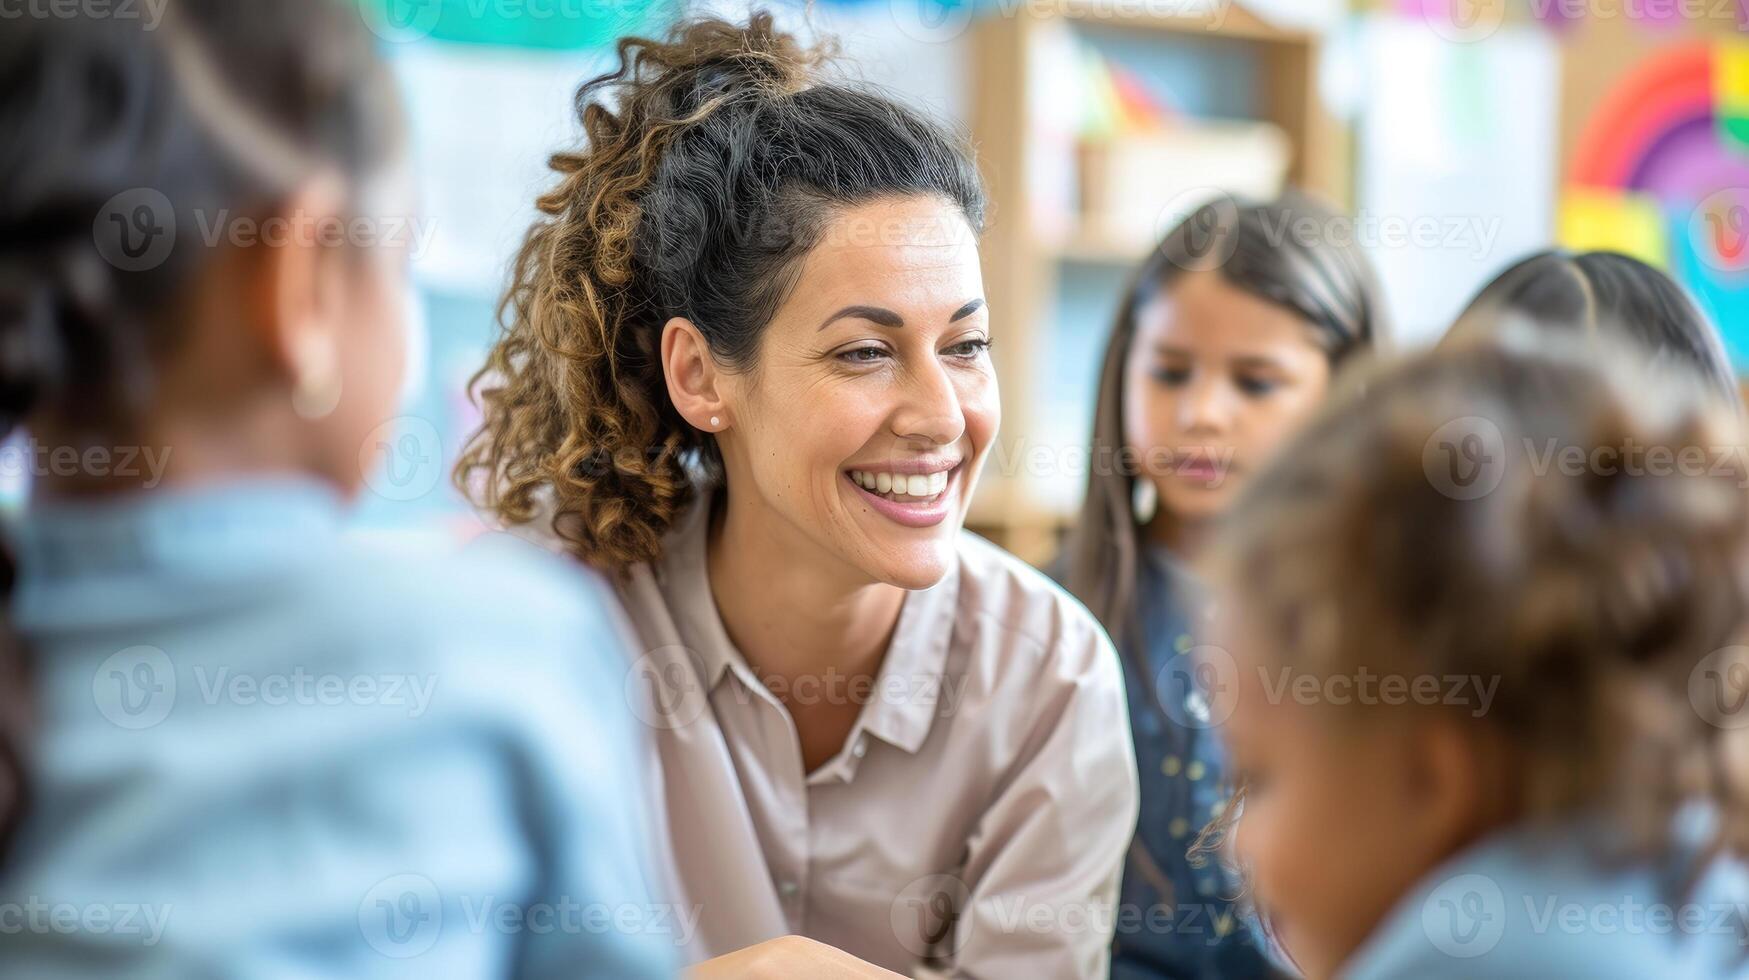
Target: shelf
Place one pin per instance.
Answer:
(1229, 21)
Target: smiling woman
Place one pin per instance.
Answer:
(745, 370)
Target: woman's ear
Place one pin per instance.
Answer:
(693, 377)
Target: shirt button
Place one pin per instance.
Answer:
(1183, 643)
(788, 889)
(1170, 766)
(1196, 770)
(860, 749)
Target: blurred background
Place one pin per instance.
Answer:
(1458, 134)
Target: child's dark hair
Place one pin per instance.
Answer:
(222, 106)
(714, 159)
(1596, 593)
(1605, 293)
(1286, 252)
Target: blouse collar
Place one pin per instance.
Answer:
(903, 702)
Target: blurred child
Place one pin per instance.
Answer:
(236, 744)
(1226, 342)
(1603, 294)
(1487, 693)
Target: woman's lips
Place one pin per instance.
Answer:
(925, 509)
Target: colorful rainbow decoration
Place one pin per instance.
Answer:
(1661, 171)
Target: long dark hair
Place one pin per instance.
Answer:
(118, 125)
(1287, 252)
(1592, 293)
(714, 159)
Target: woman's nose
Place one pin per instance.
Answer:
(929, 408)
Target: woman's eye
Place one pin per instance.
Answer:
(1172, 376)
(970, 348)
(863, 355)
(1257, 387)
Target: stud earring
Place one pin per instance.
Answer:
(715, 421)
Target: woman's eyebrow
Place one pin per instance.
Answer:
(967, 310)
(873, 314)
(887, 318)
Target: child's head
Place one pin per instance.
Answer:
(1594, 294)
(191, 244)
(1476, 596)
(1226, 341)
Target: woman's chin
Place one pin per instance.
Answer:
(915, 566)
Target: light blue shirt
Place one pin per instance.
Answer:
(264, 750)
(1538, 904)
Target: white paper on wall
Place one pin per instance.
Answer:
(1456, 164)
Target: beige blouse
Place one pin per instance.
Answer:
(975, 823)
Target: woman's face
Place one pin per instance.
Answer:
(1215, 380)
(863, 425)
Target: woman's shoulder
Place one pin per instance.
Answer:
(1002, 597)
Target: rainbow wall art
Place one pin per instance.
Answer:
(1661, 171)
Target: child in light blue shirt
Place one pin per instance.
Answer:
(233, 742)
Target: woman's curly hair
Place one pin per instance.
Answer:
(712, 161)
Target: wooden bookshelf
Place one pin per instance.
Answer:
(1023, 265)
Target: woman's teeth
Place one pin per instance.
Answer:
(898, 486)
